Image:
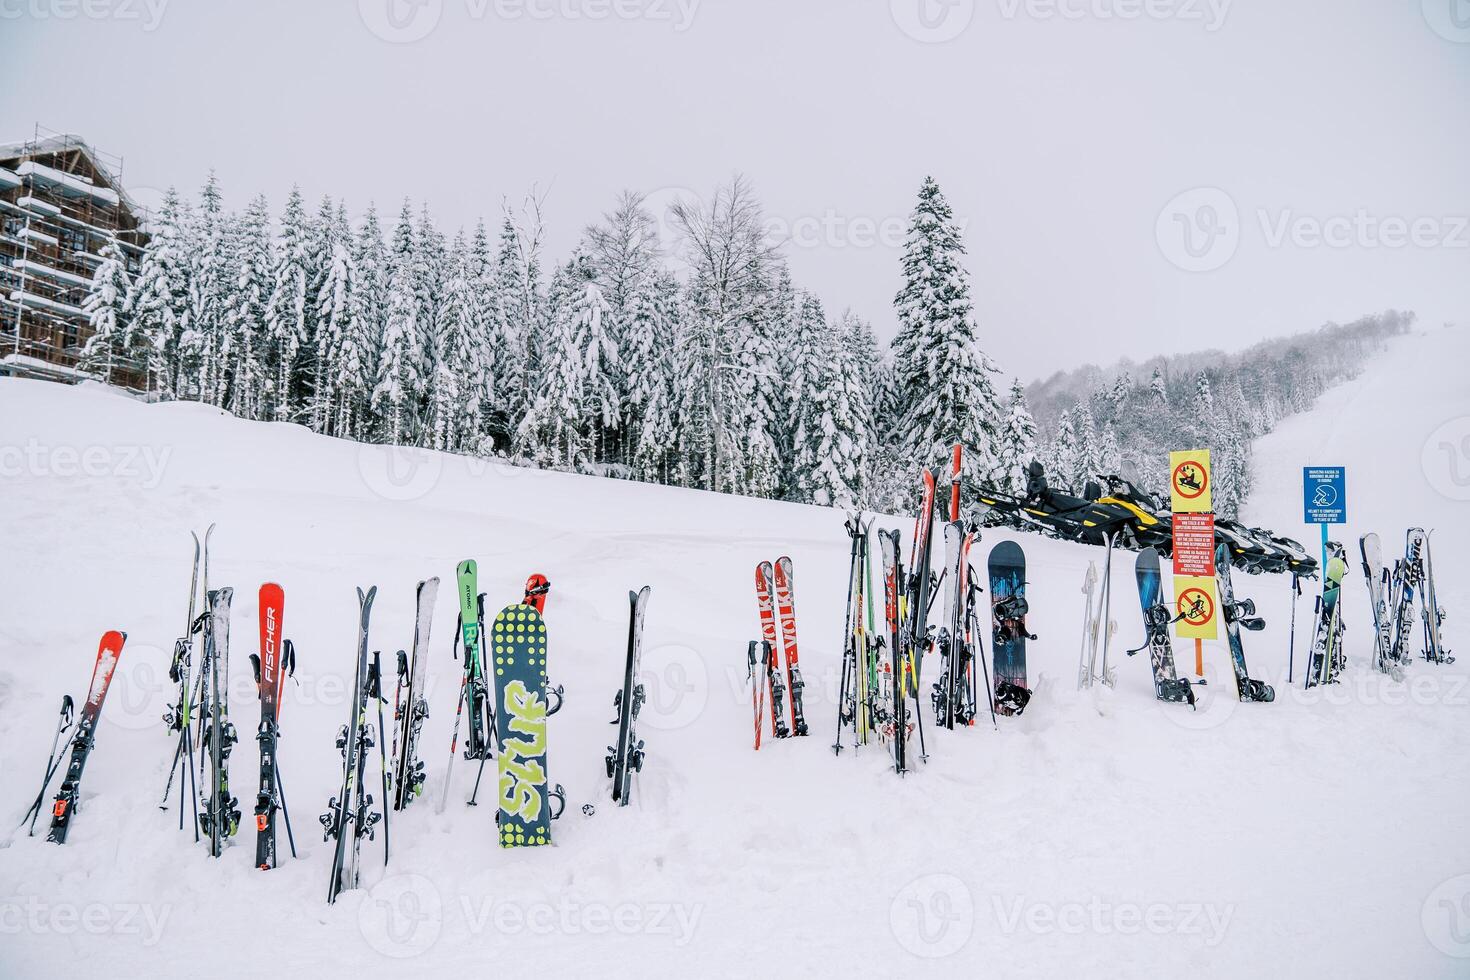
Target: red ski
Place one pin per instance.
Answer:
(271, 665)
(66, 801)
(786, 611)
(763, 589)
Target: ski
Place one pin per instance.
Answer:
(346, 820)
(473, 688)
(896, 668)
(108, 651)
(1434, 650)
(1239, 616)
(1376, 577)
(1322, 665)
(626, 757)
(1008, 609)
(277, 659)
(408, 771)
(786, 616)
(764, 590)
(221, 816)
(951, 693)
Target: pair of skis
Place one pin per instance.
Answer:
(777, 606)
(626, 757)
(410, 701)
(349, 815)
(1326, 660)
(859, 705)
(955, 695)
(84, 738)
(272, 665)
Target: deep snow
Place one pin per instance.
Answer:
(1099, 834)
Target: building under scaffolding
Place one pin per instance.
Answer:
(61, 201)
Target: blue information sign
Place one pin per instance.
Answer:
(1324, 494)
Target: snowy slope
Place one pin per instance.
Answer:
(1097, 835)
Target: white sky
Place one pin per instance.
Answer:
(1060, 130)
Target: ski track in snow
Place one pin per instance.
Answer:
(1315, 830)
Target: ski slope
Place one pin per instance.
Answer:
(1100, 834)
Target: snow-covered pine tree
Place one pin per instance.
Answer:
(624, 249)
(209, 288)
(112, 338)
(399, 392)
(1159, 389)
(602, 368)
(812, 352)
(1066, 455)
(334, 313)
(459, 375)
(363, 340)
(553, 432)
(158, 306)
(1017, 442)
(246, 366)
(652, 312)
(842, 423)
(1086, 465)
(944, 379)
(731, 266)
(287, 319)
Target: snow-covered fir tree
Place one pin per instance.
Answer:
(841, 423)
(158, 306)
(334, 312)
(114, 339)
(1017, 442)
(944, 379)
(288, 319)
(363, 339)
(246, 367)
(400, 375)
(554, 431)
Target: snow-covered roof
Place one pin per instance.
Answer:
(40, 269)
(109, 167)
(31, 299)
(63, 181)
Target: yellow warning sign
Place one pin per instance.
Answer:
(1189, 482)
(1196, 604)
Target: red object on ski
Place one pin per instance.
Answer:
(272, 618)
(786, 611)
(954, 484)
(536, 588)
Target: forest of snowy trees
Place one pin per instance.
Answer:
(710, 368)
(1125, 419)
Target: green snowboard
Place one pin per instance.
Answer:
(518, 644)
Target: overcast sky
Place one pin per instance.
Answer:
(1134, 176)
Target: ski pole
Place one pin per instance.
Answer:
(53, 762)
(1296, 590)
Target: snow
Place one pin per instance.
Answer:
(18, 296)
(1101, 834)
(75, 183)
(41, 269)
(9, 179)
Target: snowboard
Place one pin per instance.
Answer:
(626, 757)
(108, 651)
(518, 648)
(1168, 686)
(1238, 616)
(1008, 610)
